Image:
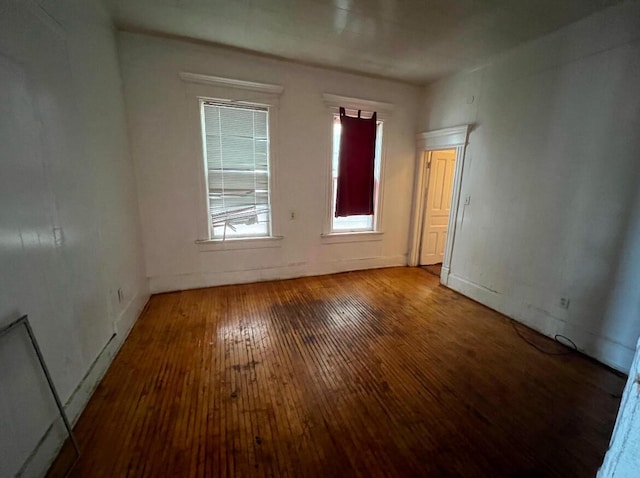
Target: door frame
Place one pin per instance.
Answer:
(447, 138)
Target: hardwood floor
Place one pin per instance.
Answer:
(435, 269)
(372, 373)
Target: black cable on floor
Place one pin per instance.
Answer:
(555, 337)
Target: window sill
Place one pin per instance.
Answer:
(209, 245)
(341, 237)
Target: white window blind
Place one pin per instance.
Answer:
(237, 163)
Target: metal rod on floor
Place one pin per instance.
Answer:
(24, 320)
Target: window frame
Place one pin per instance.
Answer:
(376, 208)
(238, 105)
(383, 110)
(200, 87)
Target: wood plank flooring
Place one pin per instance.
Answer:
(372, 373)
(435, 269)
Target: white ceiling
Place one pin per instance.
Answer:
(411, 40)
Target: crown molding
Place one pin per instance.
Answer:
(336, 101)
(443, 138)
(231, 83)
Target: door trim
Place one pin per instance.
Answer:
(447, 138)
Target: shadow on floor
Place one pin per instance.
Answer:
(434, 269)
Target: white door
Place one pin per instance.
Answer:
(436, 214)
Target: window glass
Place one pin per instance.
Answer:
(353, 223)
(236, 144)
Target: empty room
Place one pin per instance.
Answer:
(319, 238)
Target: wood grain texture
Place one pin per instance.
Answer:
(372, 373)
(435, 269)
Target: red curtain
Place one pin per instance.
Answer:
(356, 162)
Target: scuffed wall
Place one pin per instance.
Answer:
(69, 227)
(552, 170)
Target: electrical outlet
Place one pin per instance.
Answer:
(292, 215)
(564, 302)
(467, 200)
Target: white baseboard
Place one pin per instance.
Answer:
(49, 445)
(160, 284)
(613, 354)
(444, 275)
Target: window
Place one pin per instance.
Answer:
(236, 146)
(353, 223)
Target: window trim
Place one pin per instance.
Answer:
(229, 90)
(383, 110)
(358, 236)
(376, 212)
(239, 243)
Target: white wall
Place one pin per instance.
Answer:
(553, 171)
(164, 136)
(64, 166)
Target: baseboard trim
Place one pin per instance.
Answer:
(49, 445)
(160, 284)
(613, 354)
(444, 275)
